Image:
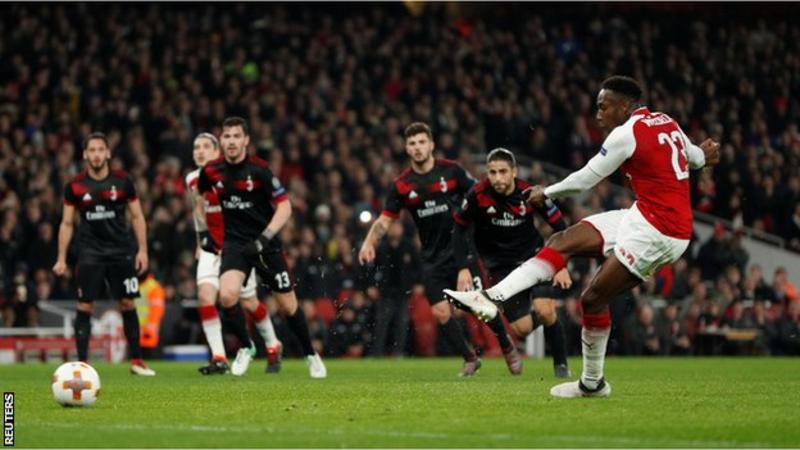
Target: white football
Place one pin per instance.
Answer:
(75, 384)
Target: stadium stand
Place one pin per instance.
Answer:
(327, 91)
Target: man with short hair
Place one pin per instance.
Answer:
(655, 155)
(206, 149)
(255, 207)
(497, 212)
(431, 189)
(109, 260)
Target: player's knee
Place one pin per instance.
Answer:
(228, 297)
(520, 329)
(287, 303)
(206, 295)
(546, 312)
(127, 304)
(441, 311)
(591, 300)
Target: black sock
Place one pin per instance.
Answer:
(83, 331)
(536, 321)
(455, 334)
(297, 322)
(130, 323)
(235, 318)
(499, 330)
(554, 335)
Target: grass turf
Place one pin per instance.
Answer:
(692, 402)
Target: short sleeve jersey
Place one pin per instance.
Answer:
(652, 151)
(104, 233)
(432, 199)
(214, 219)
(248, 192)
(505, 234)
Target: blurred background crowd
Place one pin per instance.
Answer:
(327, 91)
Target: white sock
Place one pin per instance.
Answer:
(530, 273)
(213, 330)
(594, 342)
(267, 331)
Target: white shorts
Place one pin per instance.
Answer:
(208, 272)
(637, 244)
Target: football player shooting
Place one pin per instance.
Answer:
(101, 197)
(255, 207)
(505, 235)
(204, 150)
(656, 155)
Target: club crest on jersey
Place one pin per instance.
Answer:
(113, 195)
(443, 184)
(522, 208)
(249, 183)
(413, 194)
(464, 204)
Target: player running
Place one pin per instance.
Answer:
(255, 207)
(431, 189)
(101, 196)
(205, 149)
(505, 235)
(655, 155)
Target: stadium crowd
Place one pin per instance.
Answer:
(327, 91)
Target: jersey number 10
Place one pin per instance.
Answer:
(678, 147)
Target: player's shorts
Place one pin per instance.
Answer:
(112, 280)
(438, 279)
(208, 273)
(520, 305)
(636, 243)
(274, 272)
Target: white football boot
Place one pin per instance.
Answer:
(476, 301)
(315, 366)
(242, 361)
(574, 389)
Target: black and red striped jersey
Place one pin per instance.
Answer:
(431, 198)
(505, 233)
(248, 192)
(104, 232)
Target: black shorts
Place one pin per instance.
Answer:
(272, 270)
(437, 280)
(115, 280)
(520, 305)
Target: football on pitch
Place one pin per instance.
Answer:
(75, 384)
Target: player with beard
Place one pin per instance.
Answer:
(502, 224)
(431, 189)
(109, 258)
(255, 207)
(205, 149)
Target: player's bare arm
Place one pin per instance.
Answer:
(140, 231)
(376, 233)
(283, 212)
(65, 232)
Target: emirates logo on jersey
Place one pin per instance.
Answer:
(443, 184)
(249, 183)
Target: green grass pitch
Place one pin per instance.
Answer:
(691, 402)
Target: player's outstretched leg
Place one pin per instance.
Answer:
(612, 279)
(130, 324)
